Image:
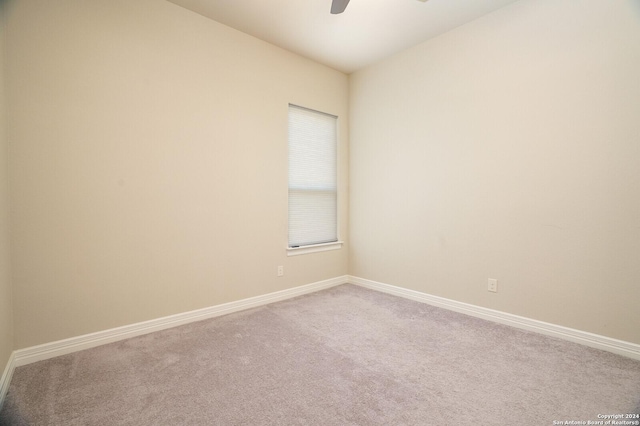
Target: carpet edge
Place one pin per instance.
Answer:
(620, 347)
(5, 380)
(44, 351)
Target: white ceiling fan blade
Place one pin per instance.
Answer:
(338, 6)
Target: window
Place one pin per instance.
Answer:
(313, 186)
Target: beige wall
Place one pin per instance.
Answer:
(6, 313)
(508, 148)
(149, 164)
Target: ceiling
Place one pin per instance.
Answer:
(368, 31)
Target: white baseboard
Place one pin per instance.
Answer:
(597, 341)
(32, 354)
(62, 347)
(73, 344)
(6, 378)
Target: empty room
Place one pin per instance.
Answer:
(319, 212)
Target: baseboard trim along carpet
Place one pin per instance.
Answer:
(62, 347)
(73, 344)
(6, 378)
(597, 341)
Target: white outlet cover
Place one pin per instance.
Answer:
(493, 285)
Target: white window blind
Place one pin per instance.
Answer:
(313, 200)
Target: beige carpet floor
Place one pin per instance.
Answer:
(342, 356)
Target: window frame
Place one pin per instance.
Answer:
(322, 246)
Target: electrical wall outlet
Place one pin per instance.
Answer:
(280, 271)
(493, 285)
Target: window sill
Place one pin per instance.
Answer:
(295, 251)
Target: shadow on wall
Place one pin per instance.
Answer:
(635, 6)
(4, 11)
